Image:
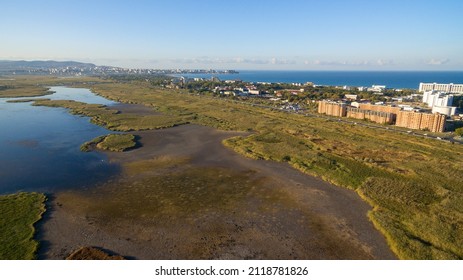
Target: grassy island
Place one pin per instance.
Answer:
(19, 214)
(111, 142)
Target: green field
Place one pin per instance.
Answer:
(19, 214)
(30, 86)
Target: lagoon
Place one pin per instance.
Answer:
(40, 146)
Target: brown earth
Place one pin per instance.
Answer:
(183, 195)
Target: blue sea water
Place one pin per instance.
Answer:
(391, 79)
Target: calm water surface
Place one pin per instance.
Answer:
(40, 146)
(392, 79)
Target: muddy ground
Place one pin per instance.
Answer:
(183, 195)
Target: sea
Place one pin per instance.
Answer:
(391, 79)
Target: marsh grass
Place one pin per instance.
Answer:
(111, 142)
(171, 194)
(19, 214)
(112, 119)
(24, 91)
(154, 165)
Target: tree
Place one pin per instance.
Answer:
(459, 131)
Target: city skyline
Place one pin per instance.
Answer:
(261, 35)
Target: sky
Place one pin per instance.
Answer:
(237, 34)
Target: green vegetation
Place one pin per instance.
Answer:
(111, 142)
(31, 86)
(166, 194)
(19, 214)
(112, 119)
(24, 91)
(415, 185)
(459, 131)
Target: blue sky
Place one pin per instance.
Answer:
(252, 34)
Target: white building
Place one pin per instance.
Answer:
(351, 96)
(355, 104)
(377, 88)
(445, 110)
(433, 98)
(450, 88)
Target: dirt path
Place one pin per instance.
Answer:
(253, 209)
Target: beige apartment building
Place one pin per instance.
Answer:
(374, 116)
(385, 115)
(413, 120)
(380, 108)
(332, 108)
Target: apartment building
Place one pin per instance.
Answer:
(332, 108)
(374, 116)
(413, 120)
(380, 108)
(385, 115)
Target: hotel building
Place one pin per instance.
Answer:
(450, 88)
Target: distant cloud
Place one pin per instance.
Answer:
(235, 60)
(338, 63)
(385, 62)
(282, 61)
(378, 62)
(438, 61)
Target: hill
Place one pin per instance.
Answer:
(40, 64)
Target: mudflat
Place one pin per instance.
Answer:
(183, 195)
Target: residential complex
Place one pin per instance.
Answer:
(385, 115)
(451, 88)
(440, 102)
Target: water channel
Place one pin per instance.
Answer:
(40, 146)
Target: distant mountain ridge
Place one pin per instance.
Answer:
(37, 64)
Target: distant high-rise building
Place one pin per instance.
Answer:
(450, 88)
(435, 98)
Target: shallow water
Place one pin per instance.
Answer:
(40, 146)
